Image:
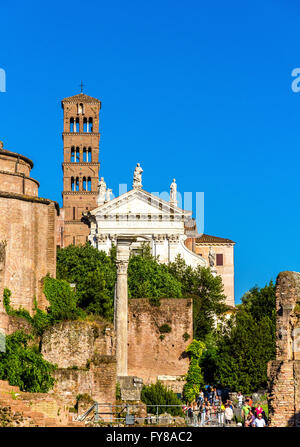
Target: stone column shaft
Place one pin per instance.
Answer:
(121, 318)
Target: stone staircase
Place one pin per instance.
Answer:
(19, 409)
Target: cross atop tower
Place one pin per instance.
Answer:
(81, 87)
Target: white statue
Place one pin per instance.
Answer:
(101, 191)
(173, 192)
(211, 257)
(108, 193)
(137, 177)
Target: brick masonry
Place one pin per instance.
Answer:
(28, 225)
(284, 372)
(151, 357)
(79, 107)
(84, 352)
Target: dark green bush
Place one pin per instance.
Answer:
(23, 365)
(160, 395)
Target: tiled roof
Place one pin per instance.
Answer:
(82, 98)
(207, 239)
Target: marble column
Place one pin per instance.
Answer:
(121, 304)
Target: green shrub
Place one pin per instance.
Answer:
(158, 394)
(194, 377)
(13, 312)
(23, 365)
(186, 336)
(165, 329)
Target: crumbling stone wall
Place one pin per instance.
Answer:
(153, 354)
(27, 233)
(84, 352)
(284, 372)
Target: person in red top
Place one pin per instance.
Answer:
(258, 410)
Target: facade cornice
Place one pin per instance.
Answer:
(140, 217)
(33, 199)
(17, 156)
(20, 174)
(208, 244)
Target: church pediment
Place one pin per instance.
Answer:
(139, 202)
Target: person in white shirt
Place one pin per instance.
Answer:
(228, 414)
(240, 399)
(259, 421)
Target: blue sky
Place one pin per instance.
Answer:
(199, 91)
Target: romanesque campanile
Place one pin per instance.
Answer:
(80, 166)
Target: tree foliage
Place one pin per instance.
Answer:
(248, 344)
(158, 394)
(93, 273)
(194, 377)
(147, 278)
(206, 291)
(23, 365)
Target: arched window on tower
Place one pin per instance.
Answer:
(84, 184)
(77, 184)
(89, 184)
(90, 126)
(77, 155)
(84, 125)
(89, 155)
(72, 154)
(72, 184)
(77, 125)
(71, 124)
(84, 155)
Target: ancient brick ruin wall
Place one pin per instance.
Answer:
(84, 352)
(149, 357)
(29, 230)
(28, 227)
(284, 372)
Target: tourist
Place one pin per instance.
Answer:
(219, 392)
(221, 414)
(200, 398)
(240, 399)
(258, 410)
(259, 421)
(203, 413)
(248, 421)
(208, 410)
(195, 414)
(190, 414)
(228, 414)
(245, 410)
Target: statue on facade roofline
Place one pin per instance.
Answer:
(211, 257)
(173, 192)
(101, 191)
(137, 177)
(107, 195)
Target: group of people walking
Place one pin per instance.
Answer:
(253, 416)
(213, 405)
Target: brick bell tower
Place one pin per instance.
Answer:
(80, 166)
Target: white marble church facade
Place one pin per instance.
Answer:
(146, 217)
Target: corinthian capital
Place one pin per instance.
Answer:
(122, 267)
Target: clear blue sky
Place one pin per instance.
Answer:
(196, 90)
